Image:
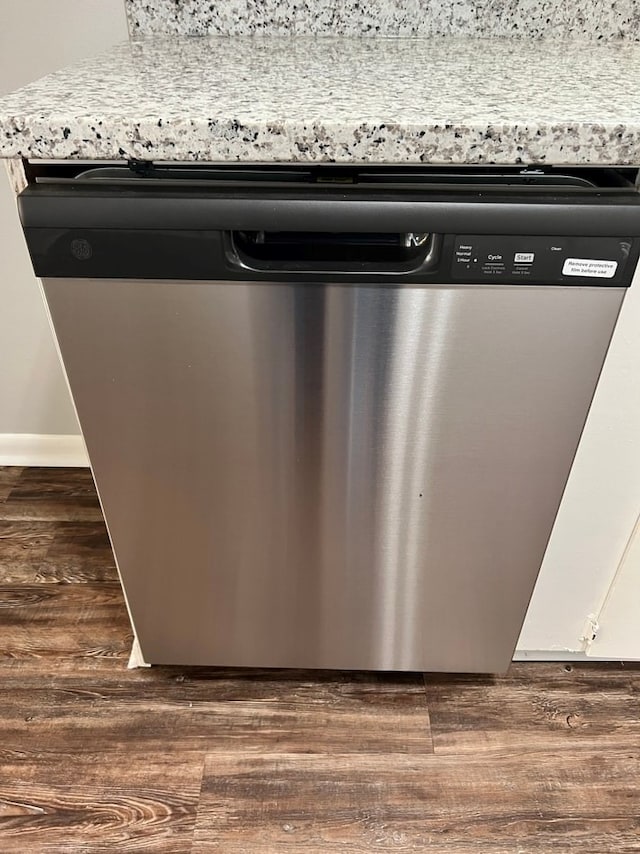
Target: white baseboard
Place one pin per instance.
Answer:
(39, 449)
(136, 659)
(548, 655)
(554, 655)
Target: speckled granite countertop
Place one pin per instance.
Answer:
(524, 19)
(441, 100)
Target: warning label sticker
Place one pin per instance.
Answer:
(589, 268)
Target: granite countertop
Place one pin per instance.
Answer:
(525, 19)
(277, 98)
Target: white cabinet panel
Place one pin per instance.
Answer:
(599, 507)
(619, 621)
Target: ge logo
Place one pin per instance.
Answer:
(81, 249)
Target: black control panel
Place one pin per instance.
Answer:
(540, 260)
(587, 238)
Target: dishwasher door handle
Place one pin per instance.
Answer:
(50, 206)
(336, 252)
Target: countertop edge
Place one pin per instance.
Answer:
(226, 139)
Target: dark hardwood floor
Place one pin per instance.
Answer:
(97, 758)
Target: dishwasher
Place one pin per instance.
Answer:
(331, 410)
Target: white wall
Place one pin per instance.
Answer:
(37, 37)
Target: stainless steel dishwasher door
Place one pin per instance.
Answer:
(335, 476)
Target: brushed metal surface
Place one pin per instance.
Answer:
(330, 476)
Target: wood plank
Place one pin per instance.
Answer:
(54, 621)
(536, 707)
(23, 547)
(9, 476)
(211, 710)
(80, 552)
(94, 802)
(52, 494)
(52, 484)
(299, 804)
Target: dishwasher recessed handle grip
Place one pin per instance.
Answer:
(337, 252)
